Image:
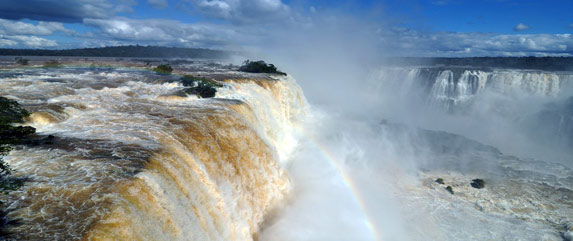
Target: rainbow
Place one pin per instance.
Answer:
(349, 183)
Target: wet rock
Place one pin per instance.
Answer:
(48, 140)
(478, 183)
(440, 180)
(37, 140)
(450, 189)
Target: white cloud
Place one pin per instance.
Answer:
(163, 32)
(242, 10)
(7, 42)
(158, 3)
(520, 27)
(28, 41)
(9, 27)
(414, 43)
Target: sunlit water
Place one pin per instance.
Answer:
(134, 160)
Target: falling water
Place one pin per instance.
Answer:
(134, 161)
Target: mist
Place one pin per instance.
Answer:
(361, 150)
(344, 169)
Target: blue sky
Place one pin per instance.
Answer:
(407, 27)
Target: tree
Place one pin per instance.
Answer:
(259, 67)
(11, 112)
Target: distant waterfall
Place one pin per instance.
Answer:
(454, 89)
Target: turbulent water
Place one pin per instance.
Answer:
(134, 159)
(525, 113)
(369, 173)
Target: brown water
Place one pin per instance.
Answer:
(131, 161)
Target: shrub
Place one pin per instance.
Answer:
(11, 112)
(4, 167)
(52, 64)
(259, 67)
(450, 189)
(13, 134)
(21, 61)
(202, 90)
(202, 87)
(163, 69)
(6, 183)
(191, 80)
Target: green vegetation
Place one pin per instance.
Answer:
(478, 183)
(21, 61)
(7, 184)
(191, 80)
(202, 90)
(52, 64)
(11, 112)
(450, 189)
(202, 87)
(440, 180)
(163, 69)
(123, 51)
(259, 67)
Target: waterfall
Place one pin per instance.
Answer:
(132, 161)
(455, 89)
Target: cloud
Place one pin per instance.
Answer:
(241, 11)
(163, 32)
(413, 43)
(25, 35)
(9, 27)
(158, 3)
(520, 27)
(571, 25)
(26, 41)
(62, 10)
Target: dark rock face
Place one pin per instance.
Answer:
(478, 183)
(440, 180)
